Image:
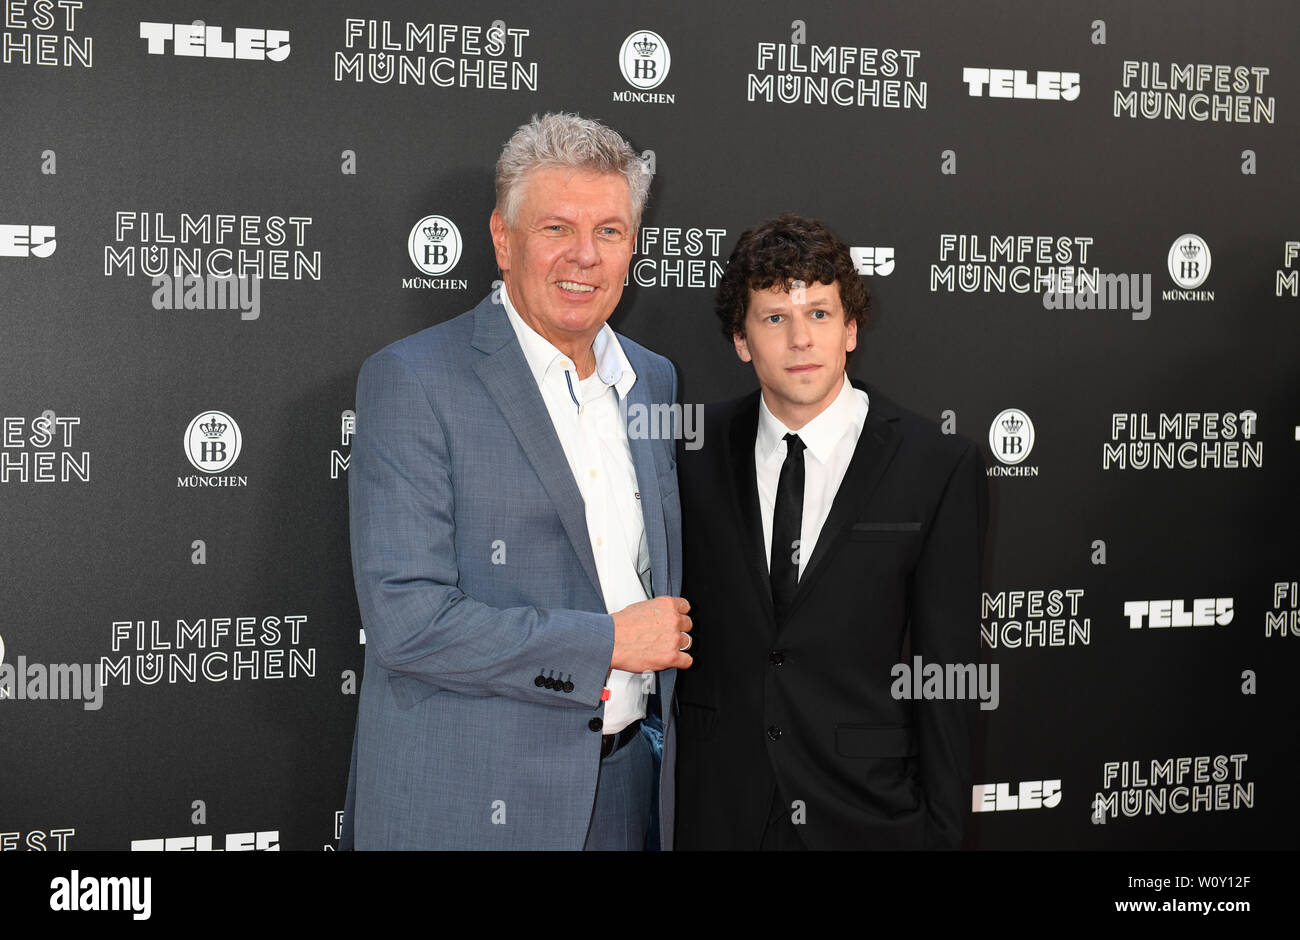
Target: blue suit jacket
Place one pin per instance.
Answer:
(475, 576)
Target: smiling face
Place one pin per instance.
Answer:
(565, 257)
(798, 342)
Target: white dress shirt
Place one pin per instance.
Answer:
(829, 439)
(587, 420)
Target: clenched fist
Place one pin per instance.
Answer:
(651, 635)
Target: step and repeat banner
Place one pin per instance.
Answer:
(1078, 221)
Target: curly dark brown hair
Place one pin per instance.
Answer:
(779, 251)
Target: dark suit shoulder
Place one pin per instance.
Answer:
(719, 418)
(722, 413)
(922, 436)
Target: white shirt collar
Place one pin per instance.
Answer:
(612, 364)
(822, 433)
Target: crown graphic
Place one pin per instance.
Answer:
(1189, 249)
(646, 46)
(436, 232)
(1013, 425)
(213, 428)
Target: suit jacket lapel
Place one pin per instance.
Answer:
(744, 493)
(505, 374)
(875, 449)
(647, 481)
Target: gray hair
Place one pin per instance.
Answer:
(567, 141)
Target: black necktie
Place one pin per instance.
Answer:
(787, 519)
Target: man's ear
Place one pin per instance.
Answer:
(500, 239)
(851, 339)
(742, 348)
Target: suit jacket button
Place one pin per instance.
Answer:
(776, 658)
(550, 683)
(773, 733)
(568, 685)
(539, 681)
(595, 724)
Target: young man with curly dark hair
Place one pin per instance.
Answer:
(826, 531)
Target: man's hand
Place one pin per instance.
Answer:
(650, 635)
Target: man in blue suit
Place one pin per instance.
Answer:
(516, 552)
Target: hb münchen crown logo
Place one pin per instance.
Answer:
(1011, 436)
(212, 441)
(434, 245)
(1189, 261)
(644, 60)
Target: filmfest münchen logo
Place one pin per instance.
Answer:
(1189, 261)
(434, 244)
(212, 441)
(644, 59)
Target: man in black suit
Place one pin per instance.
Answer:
(825, 530)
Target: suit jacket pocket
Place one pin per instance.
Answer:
(884, 531)
(874, 741)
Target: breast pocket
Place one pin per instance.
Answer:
(885, 531)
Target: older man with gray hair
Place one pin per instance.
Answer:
(517, 554)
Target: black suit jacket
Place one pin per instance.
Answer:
(804, 705)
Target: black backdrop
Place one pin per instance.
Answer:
(109, 527)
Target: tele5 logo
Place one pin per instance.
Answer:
(873, 261)
(19, 241)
